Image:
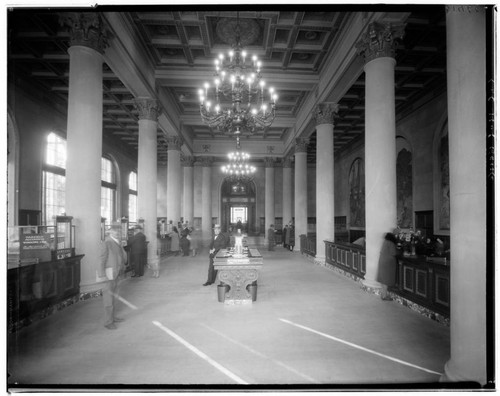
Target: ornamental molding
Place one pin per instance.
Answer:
(149, 109)
(380, 40)
(174, 143)
(301, 145)
(270, 162)
(325, 112)
(206, 148)
(86, 29)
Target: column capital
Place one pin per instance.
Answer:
(301, 145)
(86, 29)
(325, 112)
(270, 162)
(149, 109)
(174, 143)
(187, 161)
(380, 40)
(206, 161)
(287, 162)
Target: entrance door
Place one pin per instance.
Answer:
(238, 205)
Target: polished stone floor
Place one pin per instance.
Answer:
(310, 328)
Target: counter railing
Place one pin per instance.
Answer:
(308, 244)
(346, 256)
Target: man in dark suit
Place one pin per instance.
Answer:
(111, 267)
(138, 248)
(219, 241)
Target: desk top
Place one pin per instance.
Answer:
(227, 257)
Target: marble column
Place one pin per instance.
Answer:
(325, 199)
(84, 139)
(174, 186)
(206, 202)
(188, 201)
(287, 191)
(269, 195)
(300, 189)
(377, 47)
(149, 111)
(466, 69)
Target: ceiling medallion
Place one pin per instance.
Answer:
(249, 31)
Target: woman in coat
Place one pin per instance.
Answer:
(387, 265)
(174, 246)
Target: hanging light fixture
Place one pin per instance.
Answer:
(238, 168)
(237, 101)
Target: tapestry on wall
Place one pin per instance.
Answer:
(357, 193)
(404, 189)
(444, 204)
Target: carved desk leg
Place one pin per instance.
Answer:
(238, 280)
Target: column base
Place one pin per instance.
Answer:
(371, 286)
(451, 375)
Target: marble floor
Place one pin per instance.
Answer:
(310, 329)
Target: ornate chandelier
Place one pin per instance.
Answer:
(238, 168)
(237, 101)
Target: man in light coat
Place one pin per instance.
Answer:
(112, 264)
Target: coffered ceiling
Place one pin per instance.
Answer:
(181, 43)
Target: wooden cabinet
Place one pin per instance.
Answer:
(34, 287)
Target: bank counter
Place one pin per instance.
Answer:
(238, 274)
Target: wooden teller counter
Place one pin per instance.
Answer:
(42, 270)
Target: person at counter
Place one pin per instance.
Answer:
(138, 251)
(271, 237)
(387, 265)
(111, 267)
(219, 241)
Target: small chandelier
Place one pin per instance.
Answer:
(238, 168)
(240, 103)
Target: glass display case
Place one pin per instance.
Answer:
(103, 228)
(64, 237)
(124, 234)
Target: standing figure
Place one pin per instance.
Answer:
(285, 236)
(138, 248)
(219, 241)
(291, 236)
(195, 236)
(111, 267)
(174, 242)
(271, 237)
(387, 265)
(185, 240)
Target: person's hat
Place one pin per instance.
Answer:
(217, 226)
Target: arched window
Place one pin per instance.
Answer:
(54, 179)
(132, 197)
(108, 190)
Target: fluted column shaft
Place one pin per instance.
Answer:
(380, 141)
(174, 179)
(466, 68)
(269, 195)
(188, 202)
(325, 198)
(147, 174)
(287, 191)
(300, 190)
(84, 144)
(206, 203)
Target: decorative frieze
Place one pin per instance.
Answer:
(301, 145)
(206, 148)
(149, 109)
(174, 143)
(380, 40)
(325, 112)
(270, 149)
(86, 29)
